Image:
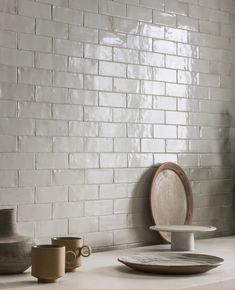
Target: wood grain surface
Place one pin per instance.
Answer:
(171, 199)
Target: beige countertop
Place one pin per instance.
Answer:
(103, 271)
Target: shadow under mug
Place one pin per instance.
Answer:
(74, 251)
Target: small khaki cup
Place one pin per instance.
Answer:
(74, 251)
(48, 262)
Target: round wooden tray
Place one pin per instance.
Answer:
(171, 199)
(172, 263)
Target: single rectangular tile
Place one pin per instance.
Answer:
(187, 23)
(51, 61)
(97, 114)
(125, 25)
(98, 145)
(83, 34)
(112, 99)
(176, 90)
(126, 115)
(83, 225)
(34, 110)
(51, 128)
(177, 146)
(68, 80)
(98, 21)
(152, 59)
(68, 177)
(83, 97)
(34, 9)
(51, 160)
(126, 85)
(8, 39)
(68, 47)
(139, 101)
(13, 126)
(67, 112)
(67, 15)
(50, 28)
(125, 55)
(111, 191)
(86, 5)
(34, 144)
(35, 76)
(112, 39)
(67, 209)
(152, 145)
(164, 46)
(165, 131)
(16, 160)
(140, 130)
(112, 130)
(68, 144)
(112, 222)
(94, 176)
(34, 211)
(176, 62)
(34, 178)
(8, 74)
(112, 8)
(83, 192)
(162, 74)
(51, 95)
(8, 6)
(98, 83)
(177, 118)
(151, 116)
(112, 69)
(176, 7)
(140, 160)
(139, 13)
(164, 103)
(13, 57)
(17, 23)
(83, 129)
(139, 42)
(164, 18)
(98, 52)
(154, 4)
(83, 160)
(126, 145)
(113, 160)
(151, 87)
(34, 42)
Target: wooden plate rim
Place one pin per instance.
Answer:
(173, 269)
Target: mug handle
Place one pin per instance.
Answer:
(74, 257)
(87, 251)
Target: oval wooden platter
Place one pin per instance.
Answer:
(171, 199)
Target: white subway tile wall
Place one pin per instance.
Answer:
(94, 94)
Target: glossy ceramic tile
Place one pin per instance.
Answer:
(94, 94)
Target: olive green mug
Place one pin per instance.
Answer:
(74, 251)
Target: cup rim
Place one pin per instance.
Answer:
(66, 238)
(47, 246)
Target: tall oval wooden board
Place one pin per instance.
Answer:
(171, 199)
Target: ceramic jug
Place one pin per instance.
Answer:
(15, 250)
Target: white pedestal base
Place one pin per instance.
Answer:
(182, 241)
